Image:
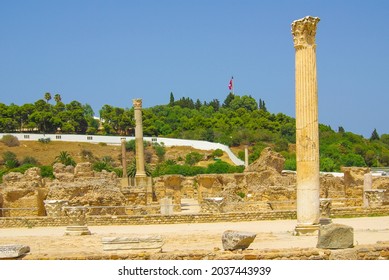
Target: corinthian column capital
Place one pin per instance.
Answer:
(137, 103)
(304, 31)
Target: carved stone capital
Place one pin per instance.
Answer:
(137, 103)
(304, 31)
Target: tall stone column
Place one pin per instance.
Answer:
(139, 150)
(124, 161)
(246, 156)
(307, 129)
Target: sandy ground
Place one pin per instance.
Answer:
(51, 242)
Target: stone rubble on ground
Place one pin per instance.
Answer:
(235, 240)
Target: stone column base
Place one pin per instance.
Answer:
(77, 230)
(304, 230)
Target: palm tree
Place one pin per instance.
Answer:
(57, 98)
(47, 97)
(65, 158)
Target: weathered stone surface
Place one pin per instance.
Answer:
(235, 240)
(54, 208)
(24, 193)
(13, 251)
(335, 236)
(212, 205)
(83, 169)
(354, 176)
(152, 242)
(98, 194)
(375, 198)
(268, 159)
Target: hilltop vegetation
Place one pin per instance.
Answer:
(236, 122)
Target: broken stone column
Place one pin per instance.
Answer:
(367, 185)
(139, 157)
(235, 240)
(166, 206)
(307, 129)
(325, 210)
(77, 222)
(54, 208)
(13, 251)
(144, 243)
(375, 198)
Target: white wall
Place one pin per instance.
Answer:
(116, 140)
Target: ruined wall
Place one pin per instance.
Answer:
(25, 192)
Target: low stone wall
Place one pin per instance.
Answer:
(366, 252)
(8, 222)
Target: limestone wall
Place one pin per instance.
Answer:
(106, 220)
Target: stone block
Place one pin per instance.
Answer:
(13, 251)
(335, 236)
(235, 240)
(153, 242)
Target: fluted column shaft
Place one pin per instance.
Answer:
(307, 129)
(139, 150)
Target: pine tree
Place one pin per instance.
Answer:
(374, 135)
(171, 102)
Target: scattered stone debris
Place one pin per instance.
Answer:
(13, 251)
(335, 236)
(235, 240)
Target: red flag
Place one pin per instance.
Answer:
(230, 85)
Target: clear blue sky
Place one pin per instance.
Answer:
(109, 52)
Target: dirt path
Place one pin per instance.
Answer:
(51, 242)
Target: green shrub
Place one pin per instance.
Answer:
(29, 160)
(101, 165)
(217, 153)
(8, 155)
(11, 163)
(47, 171)
(130, 146)
(23, 168)
(44, 140)
(65, 158)
(192, 158)
(290, 164)
(10, 140)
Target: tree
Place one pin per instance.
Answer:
(57, 98)
(341, 129)
(228, 100)
(171, 101)
(65, 158)
(374, 135)
(262, 105)
(47, 97)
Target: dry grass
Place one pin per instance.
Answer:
(45, 153)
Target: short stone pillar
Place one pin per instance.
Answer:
(325, 210)
(307, 127)
(54, 208)
(375, 198)
(77, 222)
(166, 206)
(367, 185)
